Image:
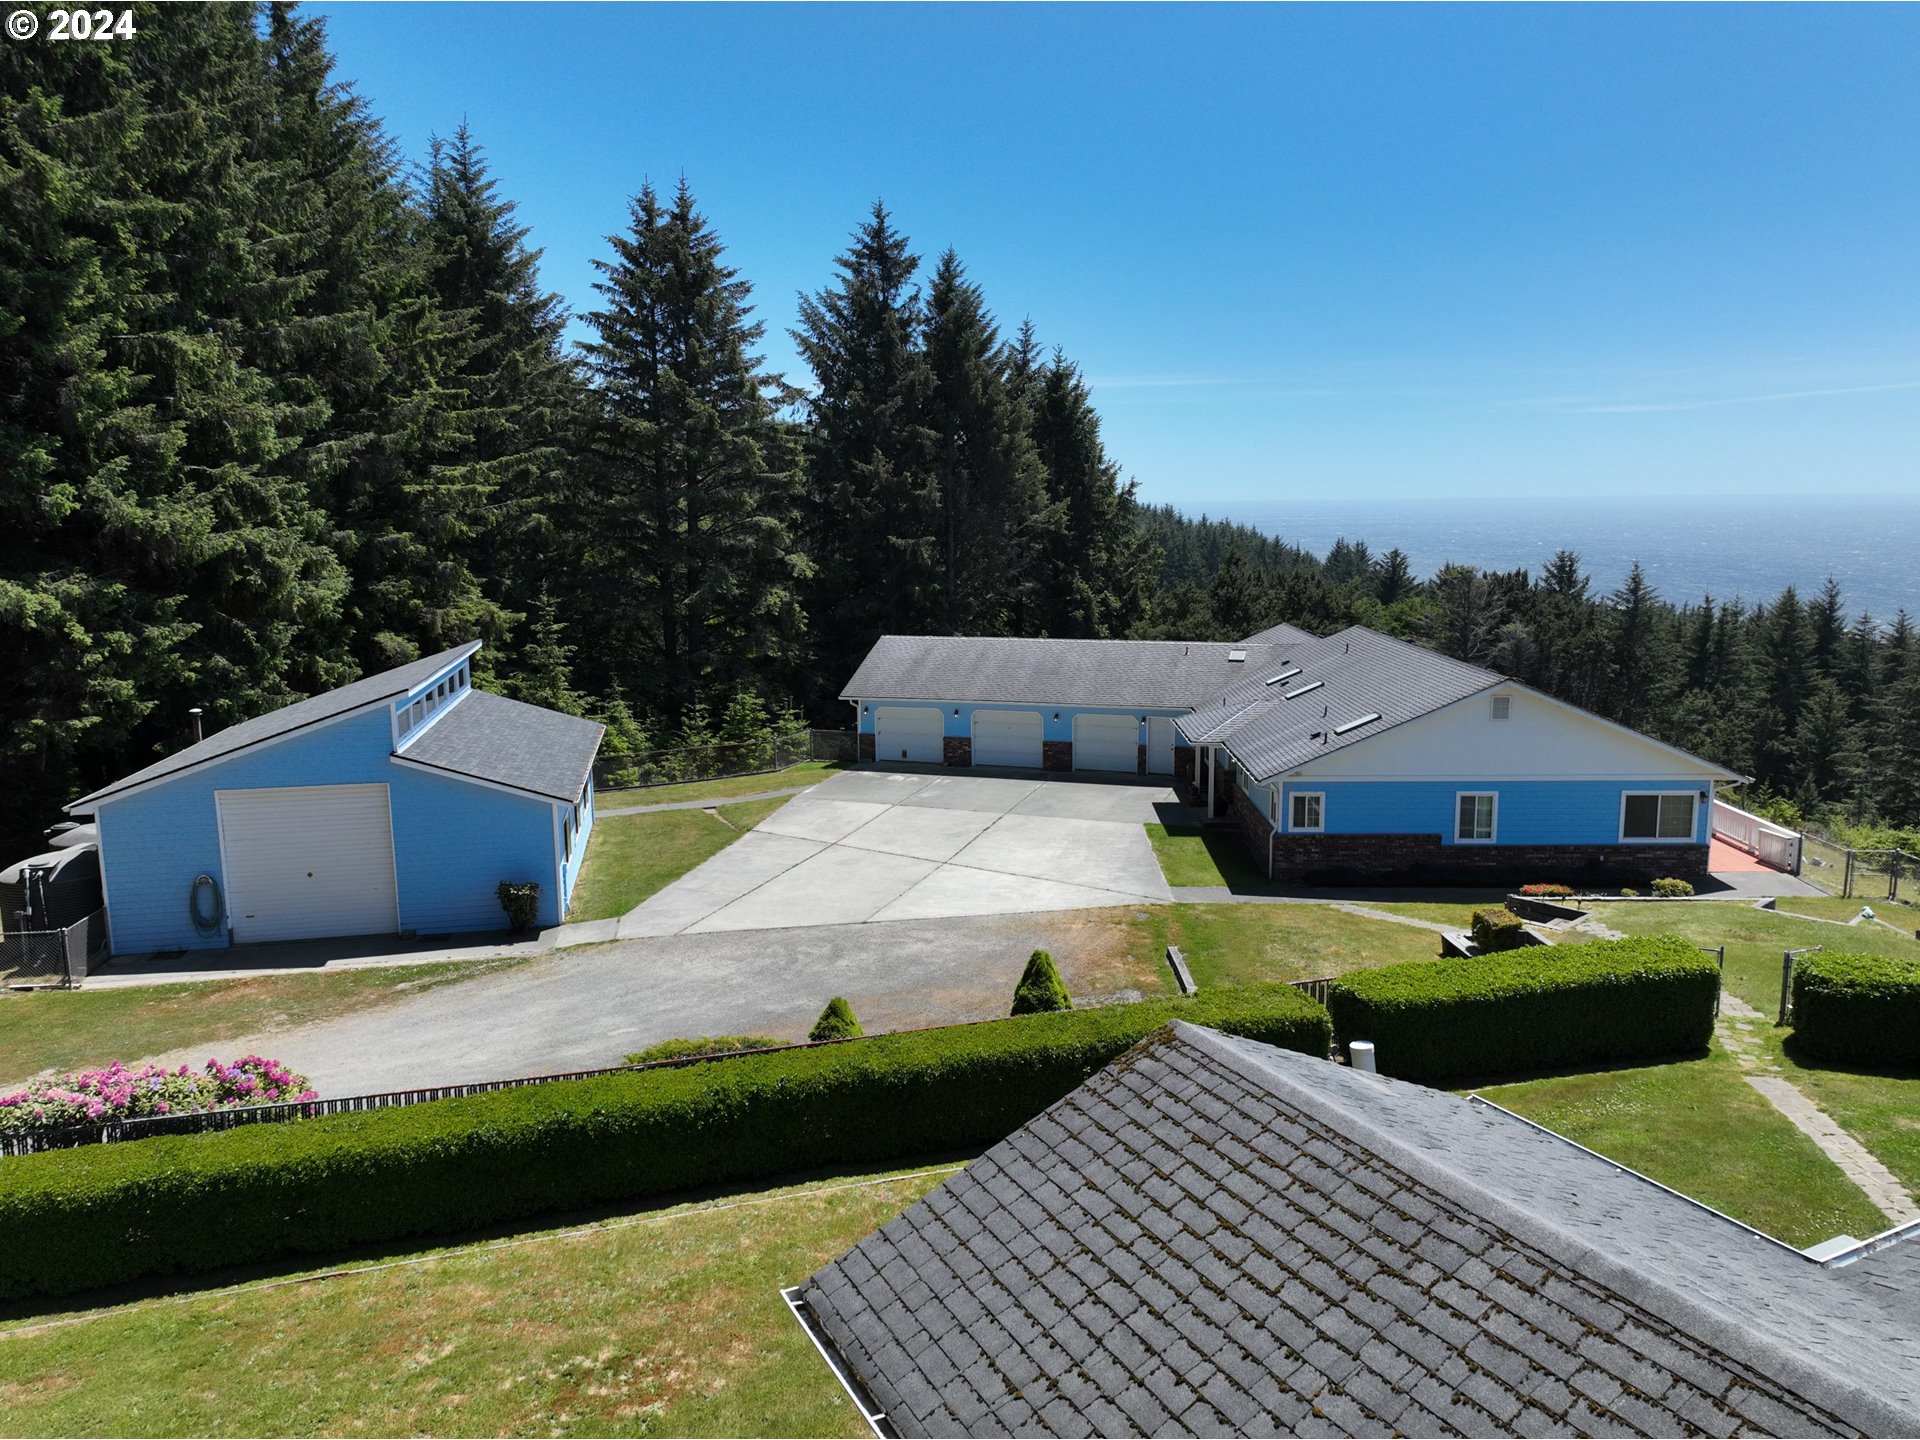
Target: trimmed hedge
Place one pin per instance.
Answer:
(104, 1214)
(1534, 1009)
(836, 1022)
(1857, 1007)
(1041, 989)
(1498, 929)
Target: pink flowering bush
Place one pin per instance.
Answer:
(119, 1093)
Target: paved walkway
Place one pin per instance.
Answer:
(1735, 1029)
(711, 804)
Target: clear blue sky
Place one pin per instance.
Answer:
(1303, 253)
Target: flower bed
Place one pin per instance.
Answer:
(120, 1093)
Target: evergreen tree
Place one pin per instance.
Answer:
(1393, 578)
(544, 674)
(873, 495)
(1638, 653)
(689, 566)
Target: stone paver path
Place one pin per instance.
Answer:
(1736, 1030)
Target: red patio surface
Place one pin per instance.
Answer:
(1722, 856)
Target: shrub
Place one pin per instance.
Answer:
(1671, 889)
(521, 901)
(118, 1093)
(1629, 892)
(1548, 1007)
(1496, 930)
(1857, 1007)
(105, 1214)
(1040, 988)
(1548, 891)
(836, 1022)
(704, 1045)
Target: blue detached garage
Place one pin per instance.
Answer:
(394, 805)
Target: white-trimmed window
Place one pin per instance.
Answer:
(1660, 816)
(1476, 817)
(1307, 812)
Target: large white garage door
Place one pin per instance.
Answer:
(307, 861)
(1006, 737)
(1106, 742)
(908, 733)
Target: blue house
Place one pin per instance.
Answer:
(394, 805)
(1342, 759)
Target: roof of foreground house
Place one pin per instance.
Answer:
(1315, 696)
(1213, 1236)
(1126, 674)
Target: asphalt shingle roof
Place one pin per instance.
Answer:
(1152, 674)
(388, 684)
(1281, 635)
(526, 747)
(1355, 673)
(1215, 1237)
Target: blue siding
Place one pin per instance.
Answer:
(962, 724)
(453, 841)
(1531, 812)
(570, 866)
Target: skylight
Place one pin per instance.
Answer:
(1283, 675)
(1236, 657)
(1296, 693)
(1356, 724)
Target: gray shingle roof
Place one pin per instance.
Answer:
(388, 684)
(1281, 635)
(1215, 1237)
(1153, 674)
(526, 747)
(1356, 673)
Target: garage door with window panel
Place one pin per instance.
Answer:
(908, 732)
(1007, 737)
(307, 861)
(1106, 742)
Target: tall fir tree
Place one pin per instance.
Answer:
(690, 571)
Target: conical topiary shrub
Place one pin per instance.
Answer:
(1040, 987)
(836, 1022)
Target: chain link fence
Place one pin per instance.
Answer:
(643, 769)
(54, 957)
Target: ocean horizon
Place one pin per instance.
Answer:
(1747, 548)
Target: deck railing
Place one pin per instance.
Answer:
(1771, 844)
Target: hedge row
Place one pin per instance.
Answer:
(1857, 1007)
(111, 1213)
(1534, 1009)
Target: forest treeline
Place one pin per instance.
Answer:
(279, 408)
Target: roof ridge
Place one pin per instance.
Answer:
(1708, 1322)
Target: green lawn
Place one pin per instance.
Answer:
(668, 1323)
(1234, 944)
(1454, 915)
(1755, 939)
(629, 857)
(1698, 1126)
(1210, 856)
(65, 1030)
(808, 772)
(1833, 908)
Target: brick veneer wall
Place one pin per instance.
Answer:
(1140, 765)
(1183, 763)
(866, 747)
(957, 749)
(1256, 831)
(1056, 754)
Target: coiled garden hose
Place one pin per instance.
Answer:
(208, 923)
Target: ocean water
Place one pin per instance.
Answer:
(1747, 549)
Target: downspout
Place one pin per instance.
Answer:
(1213, 778)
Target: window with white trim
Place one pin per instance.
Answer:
(1658, 815)
(1307, 811)
(1475, 818)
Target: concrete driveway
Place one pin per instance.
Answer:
(883, 846)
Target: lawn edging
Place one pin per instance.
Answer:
(1539, 1009)
(109, 1214)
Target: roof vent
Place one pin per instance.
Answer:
(1236, 657)
(1356, 724)
(1296, 693)
(1502, 706)
(1287, 674)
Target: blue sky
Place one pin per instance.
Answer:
(1305, 253)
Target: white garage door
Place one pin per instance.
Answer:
(307, 861)
(908, 733)
(1106, 742)
(1006, 737)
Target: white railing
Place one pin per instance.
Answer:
(1771, 844)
